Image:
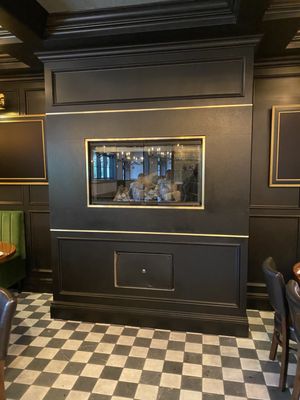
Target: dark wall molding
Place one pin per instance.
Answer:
(282, 10)
(104, 51)
(143, 18)
(24, 77)
(99, 92)
(102, 77)
(279, 67)
(178, 320)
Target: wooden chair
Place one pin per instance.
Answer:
(293, 297)
(283, 329)
(8, 304)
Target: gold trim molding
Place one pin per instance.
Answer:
(151, 233)
(147, 109)
(29, 180)
(274, 180)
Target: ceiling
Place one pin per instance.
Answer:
(34, 26)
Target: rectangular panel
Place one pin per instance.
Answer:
(285, 142)
(268, 92)
(40, 240)
(144, 270)
(275, 237)
(38, 195)
(209, 79)
(202, 272)
(22, 151)
(35, 101)
(11, 195)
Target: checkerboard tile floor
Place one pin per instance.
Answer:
(57, 360)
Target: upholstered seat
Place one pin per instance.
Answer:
(8, 304)
(293, 297)
(12, 230)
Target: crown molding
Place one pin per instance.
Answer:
(163, 16)
(26, 76)
(277, 67)
(63, 55)
(282, 9)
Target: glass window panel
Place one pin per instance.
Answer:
(147, 172)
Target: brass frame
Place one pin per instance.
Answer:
(87, 141)
(274, 181)
(29, 180)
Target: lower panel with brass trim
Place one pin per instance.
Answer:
(199, 283)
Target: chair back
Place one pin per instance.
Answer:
(276, 287)
(8, 304)
(12, 230)
(293, 298)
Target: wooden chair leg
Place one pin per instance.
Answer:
(296, 389)
(284, 361)
(274, 346)
(2, 389)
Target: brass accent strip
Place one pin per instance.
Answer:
(276, 159)
(147, 109)
(157, 207)
(29, 180)
(151, 233)
(147, 207)
(24, 183)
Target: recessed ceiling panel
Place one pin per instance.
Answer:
(79, 5)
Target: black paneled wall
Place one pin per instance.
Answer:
(26, 96)
(158, 91)
(274, 211)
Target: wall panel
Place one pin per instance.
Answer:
(220, 78)
(274, 211)
(199, 91)
(27, 96)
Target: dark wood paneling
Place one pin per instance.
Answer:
(40, 239)
(11, 195)
(35, 101)
(38, 195)
(274, 211)
(177, 74)
(226, 170)
(270, 236)
(26, 95)
(193, 281)
(209, 274)
(269, 92)
(220, 78)
(12, 100)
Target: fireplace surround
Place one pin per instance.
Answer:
(154, 261)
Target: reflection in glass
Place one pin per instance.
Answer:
(161, 172)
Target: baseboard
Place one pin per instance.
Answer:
(164, 319)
